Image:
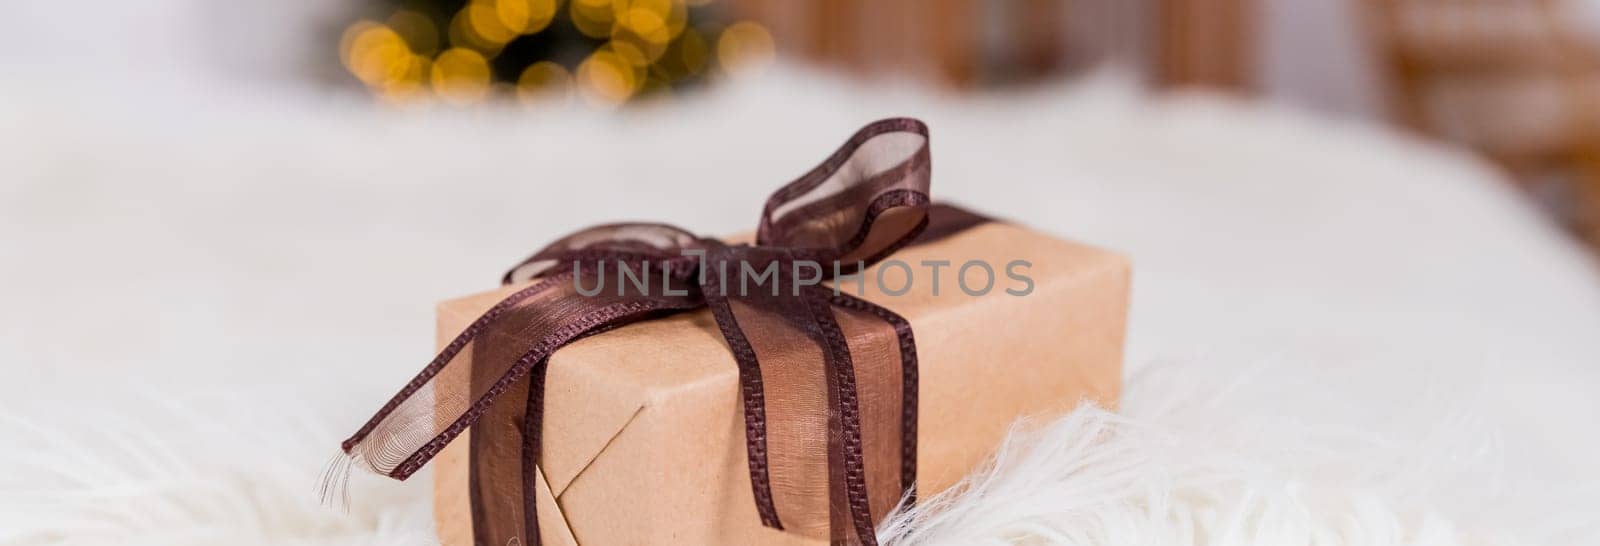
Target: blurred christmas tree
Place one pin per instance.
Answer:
(606, 51)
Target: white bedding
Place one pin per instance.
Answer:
(204, 288)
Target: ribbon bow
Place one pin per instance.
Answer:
(803, 350)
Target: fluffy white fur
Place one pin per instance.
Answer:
(1183, 464)
(1339, 336)
(1189, 458)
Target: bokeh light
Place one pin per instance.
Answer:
(593, 18)
(417, 29)
(607, 80)
(514, 15)
(745, 48)
(526, 16)
(374, 53)
(484, 21)
(476, 50)
(692, 52)
(684, 59)
(640, 36)
(413, 86)
(460, 76)
(544, 83)
(674, 13)
(465, 33)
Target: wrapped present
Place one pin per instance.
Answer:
(635, 384)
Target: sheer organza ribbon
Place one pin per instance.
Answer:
(827, 380)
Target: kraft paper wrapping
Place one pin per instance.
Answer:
(643, 431)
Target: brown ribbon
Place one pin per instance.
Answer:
(827, 380)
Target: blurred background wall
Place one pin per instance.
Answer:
(1312, 52)
(1512, 80)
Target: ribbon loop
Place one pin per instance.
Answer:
(880, 173)
(624, 242)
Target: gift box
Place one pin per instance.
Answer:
(644, 439)
(791, 387)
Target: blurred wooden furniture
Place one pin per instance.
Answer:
(1207, 43)
(1509, 78)
(967, 43)
(958, 43)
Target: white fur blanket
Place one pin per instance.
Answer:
(1339, 336)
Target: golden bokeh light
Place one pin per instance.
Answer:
(607, 80)
(514, 15)
(649, 48)
(673, 13)
(417, 29)
(677, 19)
(684, 58)
(594, 18)
(640, 36)
(413, 86)
(374, 53)
(653, 90)
(460, 76)
(484, 21)
(347, 40)
(544, 83)
(410, 87)
(463, 33)
(525, 16)
(745, 48)
(692, 52)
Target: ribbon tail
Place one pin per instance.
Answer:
(752, 394)
(532, 430)
(847, 406)
(462, 386)
(410, 404)
(908, 385)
